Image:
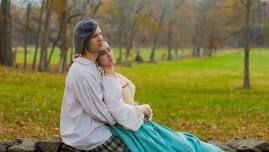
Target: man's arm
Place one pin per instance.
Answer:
(89, 94)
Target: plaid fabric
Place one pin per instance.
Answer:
(113, 144)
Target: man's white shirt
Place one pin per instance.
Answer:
(90, 104)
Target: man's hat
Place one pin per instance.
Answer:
(83, 31)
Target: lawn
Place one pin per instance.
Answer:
(202, 96)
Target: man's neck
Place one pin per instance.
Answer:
(90, 55)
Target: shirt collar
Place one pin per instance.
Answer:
(83, 60)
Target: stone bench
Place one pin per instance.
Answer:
(32, 145)
(55, 145)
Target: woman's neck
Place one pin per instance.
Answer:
(109, 70)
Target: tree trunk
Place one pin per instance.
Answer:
(196, 45)
(71, 58)
(64, 49)
(246, 82)
(1, 37)
(43, 65)
(205, 52)
(63, 60)
(53, 48)
(138, 57)
(169, 57)
(14, 56)
(38, 35)
(119, 60)
(169, 41)
(176, 53)
(26, 33)
(129, 46)
(121, 45)
(6, 54)
(63, 45)
(196, 52)
(152, 55)
(156, 35)
(127, 53)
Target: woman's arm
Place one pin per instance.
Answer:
(130, 117)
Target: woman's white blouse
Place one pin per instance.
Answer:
(90, 103)
(128, 91)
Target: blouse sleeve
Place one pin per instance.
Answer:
(128, 116)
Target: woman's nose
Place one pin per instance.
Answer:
(109, 54)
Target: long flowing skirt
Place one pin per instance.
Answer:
(153, 137)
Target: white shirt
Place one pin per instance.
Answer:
(91, 102)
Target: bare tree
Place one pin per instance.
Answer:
(6, 54)
(38, 34)
(63, 35)
(2, 54)
(26, 32)
(173, 21)
(43, 65)
(132, 22)
(114, 19)
(126, 20)
(200, 14)
(91, 8)
(248, 4)
(258, 31)
(159, 21)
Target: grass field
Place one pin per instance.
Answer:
(201, 96)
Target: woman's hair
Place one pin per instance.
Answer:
(77, 55)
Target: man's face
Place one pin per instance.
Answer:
(95, 43)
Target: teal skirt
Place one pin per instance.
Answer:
(152, 137)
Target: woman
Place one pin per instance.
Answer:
(151, 137)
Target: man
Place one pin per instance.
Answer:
(85, 114)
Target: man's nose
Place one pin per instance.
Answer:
(100, 38)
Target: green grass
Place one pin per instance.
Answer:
(201, 96)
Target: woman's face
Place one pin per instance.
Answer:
(105, 56)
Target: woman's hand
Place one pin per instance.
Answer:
(147, 112)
